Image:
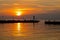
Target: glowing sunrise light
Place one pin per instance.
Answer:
(18, 13)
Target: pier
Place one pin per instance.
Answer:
(52, 22)
(20, 21)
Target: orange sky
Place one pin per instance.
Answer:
(8, 7)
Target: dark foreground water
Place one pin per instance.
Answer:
(29, 31)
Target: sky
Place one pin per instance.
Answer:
(8, 7)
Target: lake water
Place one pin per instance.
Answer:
(29, 31)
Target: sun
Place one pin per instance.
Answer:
(18, 13)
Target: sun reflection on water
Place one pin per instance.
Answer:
(18, 26)
(20, 30)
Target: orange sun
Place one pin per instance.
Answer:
(18, 13)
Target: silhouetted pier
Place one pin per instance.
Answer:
(52, 22)
(20, 21)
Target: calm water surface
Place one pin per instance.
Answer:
(29, 31)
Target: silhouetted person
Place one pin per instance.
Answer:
(33, 17)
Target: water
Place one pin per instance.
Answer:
(29, 31)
